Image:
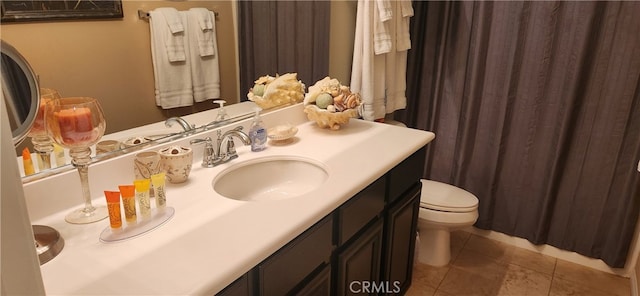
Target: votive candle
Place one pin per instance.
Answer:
(75, 124)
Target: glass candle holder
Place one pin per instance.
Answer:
(39, 138)
(76, 124)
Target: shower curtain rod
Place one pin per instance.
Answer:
(144, 15)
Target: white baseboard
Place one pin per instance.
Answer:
(555, 252)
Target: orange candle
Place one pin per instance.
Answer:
(75, 125)
(113, 205)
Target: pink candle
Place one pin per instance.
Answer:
(75, 125)
(38, 124)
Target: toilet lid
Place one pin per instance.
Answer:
(445, 197)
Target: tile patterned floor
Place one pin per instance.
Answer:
(481, 266)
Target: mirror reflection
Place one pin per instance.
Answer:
(111, 60)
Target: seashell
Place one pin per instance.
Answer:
(282, 90)
(331, 108)
(352, 101)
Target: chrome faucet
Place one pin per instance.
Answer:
(183, 123)
(227, 141)
(224, 150)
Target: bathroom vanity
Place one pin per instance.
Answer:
(352, 232)
(364, 246)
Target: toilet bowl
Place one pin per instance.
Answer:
(443, 208)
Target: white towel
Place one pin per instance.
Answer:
(379, 58)
(205, 30)
(205, 72)
(174, 36)
(367, 75)
(403, 38)
(172, 79)
(381, 16)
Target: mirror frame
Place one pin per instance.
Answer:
(20, 133)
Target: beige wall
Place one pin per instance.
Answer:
(342, 32)
(111, 60)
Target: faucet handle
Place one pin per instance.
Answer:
(209, 157)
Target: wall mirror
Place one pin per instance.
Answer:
(111, 61)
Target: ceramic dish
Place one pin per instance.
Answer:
(282, 132)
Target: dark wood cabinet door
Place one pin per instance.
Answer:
(319, 285)
(295, 262)
(358, 265)
(400, 240)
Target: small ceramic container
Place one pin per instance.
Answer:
(176, 162)
(146, 164)
(107, 146)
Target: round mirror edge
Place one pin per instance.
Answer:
(21, 132)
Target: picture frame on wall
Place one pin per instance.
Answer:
(53, 10)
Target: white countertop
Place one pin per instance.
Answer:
(212, 240)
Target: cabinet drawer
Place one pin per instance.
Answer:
(281, 272)
(360, 210)
(404, 175)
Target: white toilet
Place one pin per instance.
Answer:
(443, 208)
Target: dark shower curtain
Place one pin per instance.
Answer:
(278, 37)
(536, 110)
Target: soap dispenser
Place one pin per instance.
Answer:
(222, 113)
(257, 133)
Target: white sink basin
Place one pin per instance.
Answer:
(270, 178)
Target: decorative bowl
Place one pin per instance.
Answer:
(270, 92)
(331, 105)
(327, 119)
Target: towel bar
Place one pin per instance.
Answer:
(144, 15)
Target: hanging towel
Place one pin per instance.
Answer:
(403, 38)
(379, 67)
(203, 48)
(172, 78)
(368, 69)
(205, 30)
(382, 37)
(174, 39)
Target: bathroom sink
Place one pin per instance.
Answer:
(270, 178)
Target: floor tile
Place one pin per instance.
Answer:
(591, 278)
(563, 287)
(429, 275)
(523, 281)
(477, 262)
(458, 241)
(481, 266)
(467, 282)
(498, 251)
(420, 289)
(534, 261)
